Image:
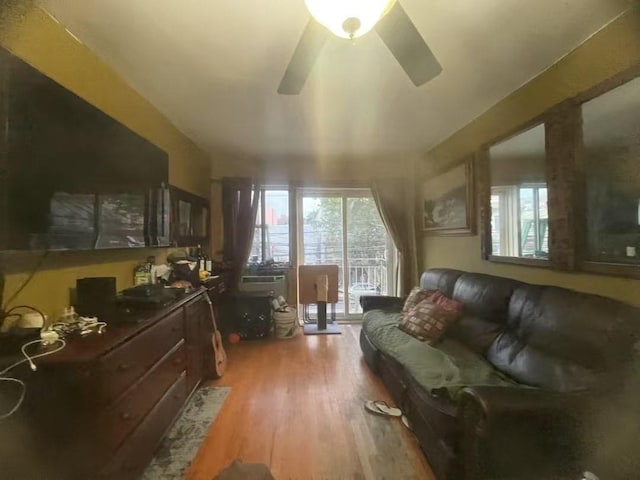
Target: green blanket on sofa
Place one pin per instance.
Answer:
(448, 365)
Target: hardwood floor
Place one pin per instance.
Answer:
(297, 406)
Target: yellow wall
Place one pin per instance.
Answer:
(613, 50)
(40, 41)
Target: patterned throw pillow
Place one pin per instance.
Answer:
(439, 298)
(416, 296)
(428, 321)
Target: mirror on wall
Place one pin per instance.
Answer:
(519, 214)
(611, 137)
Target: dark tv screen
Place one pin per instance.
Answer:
(72, 177)
(122, 220)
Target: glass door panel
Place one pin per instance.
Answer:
(368, 251)
(344, 228)
(322, 237)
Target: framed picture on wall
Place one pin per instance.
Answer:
(448, 202)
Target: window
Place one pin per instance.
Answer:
(271, 237)
(519, 221)
(343, 227)
(534, 220)
(519, 215)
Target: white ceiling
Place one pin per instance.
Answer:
(213, 67)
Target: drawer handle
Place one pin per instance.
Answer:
(123, 367)
(125, 416)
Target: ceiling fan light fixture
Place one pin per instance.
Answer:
(349, 18)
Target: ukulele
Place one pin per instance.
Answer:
(219, 355)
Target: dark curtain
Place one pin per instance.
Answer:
(395, 200)
(240, 198)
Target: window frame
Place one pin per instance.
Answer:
(509, 198)
(261, 215)
(536, 200)
(344, 193)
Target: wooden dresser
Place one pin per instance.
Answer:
(100, 407)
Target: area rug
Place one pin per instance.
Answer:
(183, 441)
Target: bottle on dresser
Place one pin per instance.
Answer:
(203, 261)
(142, 273)
(199, 259)
(140, 276)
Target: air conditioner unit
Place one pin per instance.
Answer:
(274, 284)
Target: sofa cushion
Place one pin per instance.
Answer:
(563, 340)
(443, 370)
(443, 279)
(475, 332)
(486, 305)
(428, 321)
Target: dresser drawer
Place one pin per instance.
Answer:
(119, 369)
(136, 453)
(119, 420)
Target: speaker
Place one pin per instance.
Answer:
(250, 314)
(96, 297)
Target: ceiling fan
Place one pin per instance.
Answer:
(351, 19)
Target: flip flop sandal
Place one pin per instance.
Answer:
(387, 410)
(381, 407)
(405, 422)
(370, 406)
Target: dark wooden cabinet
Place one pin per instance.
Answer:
(196, 337)
(100, 407)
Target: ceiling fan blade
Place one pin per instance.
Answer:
(404, 41)
(304, 57)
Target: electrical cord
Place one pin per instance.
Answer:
(23, 392)
(33, 357)
(9, 313)
(35, 270)
(28, 359)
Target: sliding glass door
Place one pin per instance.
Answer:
(369, 251)
(343, 227)
(321, 235)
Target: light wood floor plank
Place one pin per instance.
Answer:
(297, 406)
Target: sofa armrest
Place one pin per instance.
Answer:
(381, 302)
(521, 432)
(495, 402)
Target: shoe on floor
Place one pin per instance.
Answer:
(380, 407)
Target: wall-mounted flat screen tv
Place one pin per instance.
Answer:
(71, 176)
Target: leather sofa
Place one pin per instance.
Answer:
(566, 353)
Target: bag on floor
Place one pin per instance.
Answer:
(285, 319)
